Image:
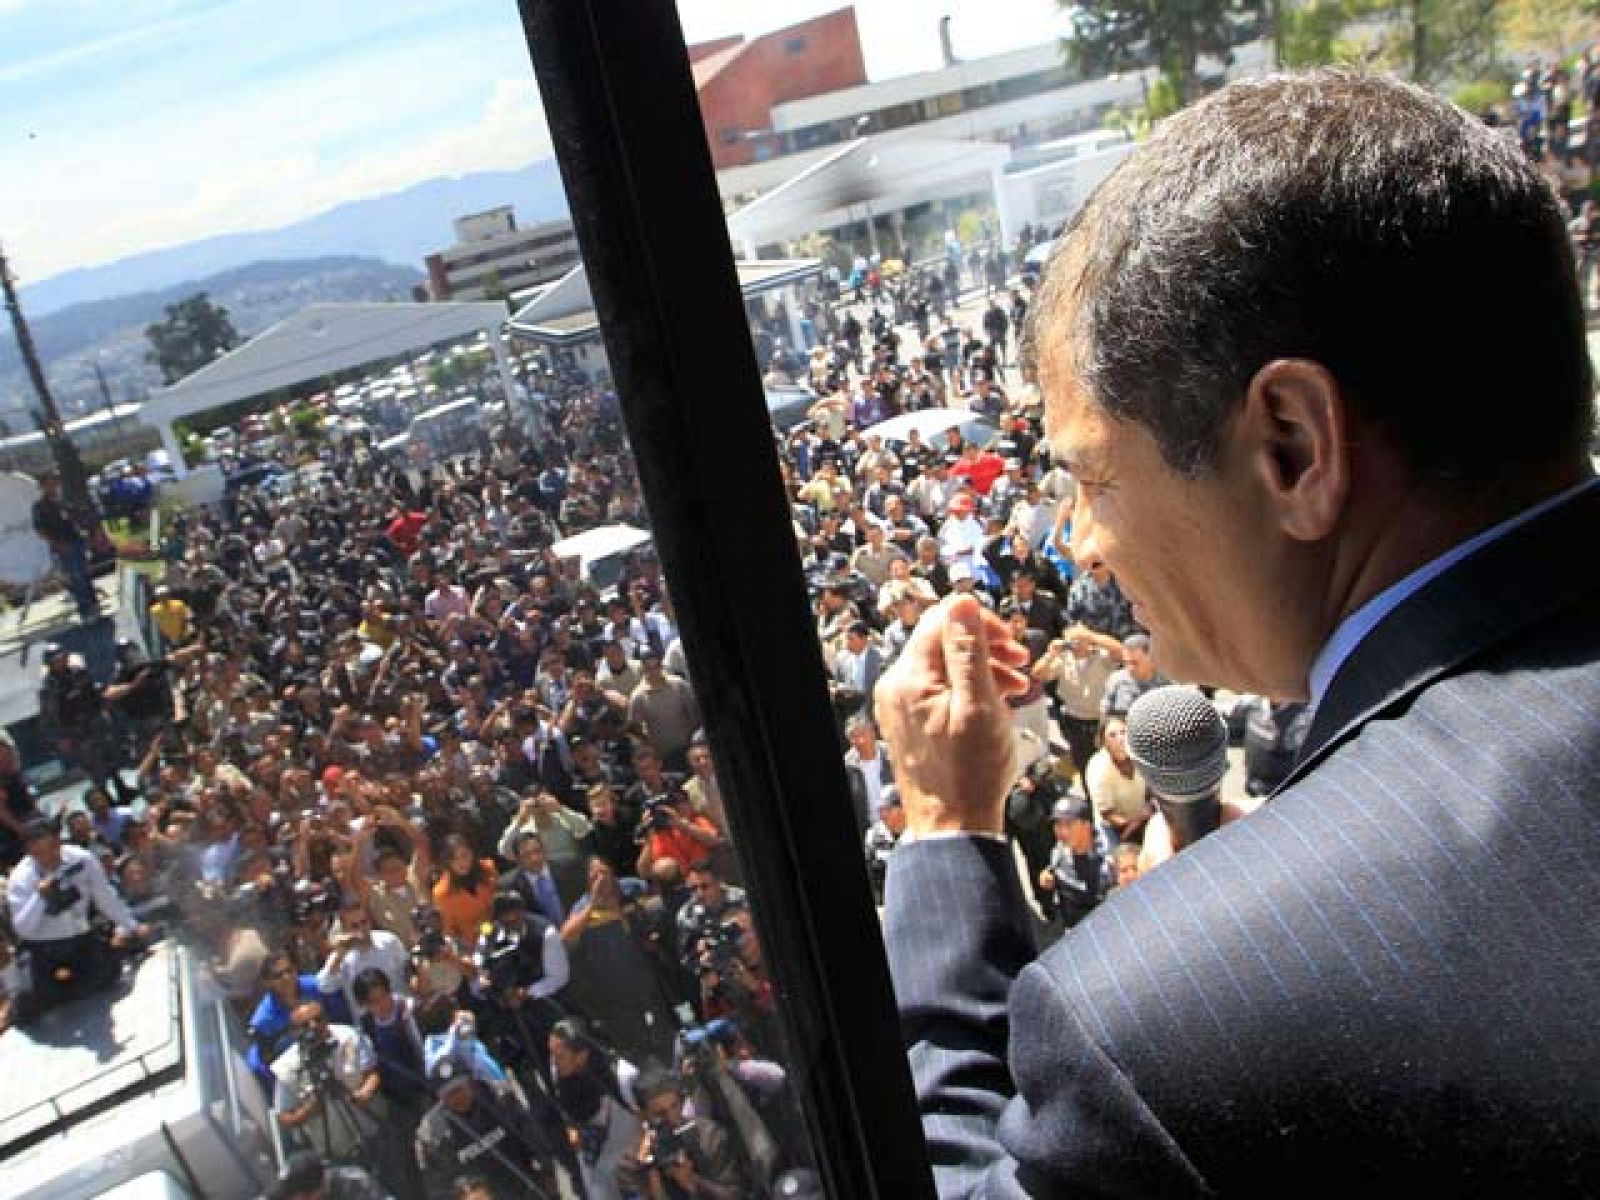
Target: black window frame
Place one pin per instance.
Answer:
(619, 95)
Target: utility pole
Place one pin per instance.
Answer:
(105, 398)
(74, 479)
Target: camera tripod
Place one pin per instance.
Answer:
(337, 1115)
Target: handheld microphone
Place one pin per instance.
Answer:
(1179, 743)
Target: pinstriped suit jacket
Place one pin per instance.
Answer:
(1386, 980)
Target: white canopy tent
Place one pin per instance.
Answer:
(563, 314)
(319, 341)
(867, 178)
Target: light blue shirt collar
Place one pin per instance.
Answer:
(1358, 624)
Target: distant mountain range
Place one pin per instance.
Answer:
(401, 227)
(110, 333)
(370, 249)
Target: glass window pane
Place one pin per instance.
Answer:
(404, 745)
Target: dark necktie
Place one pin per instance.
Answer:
(550, 903)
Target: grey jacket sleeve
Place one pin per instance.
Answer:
(1017, 1096)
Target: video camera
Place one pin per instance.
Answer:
(655, 817)
(430, 945)
(667, 1143)
(309, 897)
(316, 1056)
(720, 941)
(719, 1032)
(60, 894)
(500, 959)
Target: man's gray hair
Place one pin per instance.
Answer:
(1358, 222)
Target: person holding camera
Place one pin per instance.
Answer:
(594, 1094)
(616, 979)
(358, 947)
(139, 695)
(522, 967)
(438, 967)
(327, 1085)
(710, 900)
(734, 983)
(270, 1028)
(670, 828)
(49, 896)
(678, 1156)
(550, 869)
(398, 884)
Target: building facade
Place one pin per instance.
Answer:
(493, 257)
(740, 82)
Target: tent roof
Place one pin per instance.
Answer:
(886, 172)
(318, 341)
(565, 313)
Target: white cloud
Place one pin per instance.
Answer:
(511, 132)
(228, 170)
(154, 154)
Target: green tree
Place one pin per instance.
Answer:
(1161, 99)
(445, 374)
(1557, 28)
(1432, 42)
(1308, 34)
(1116, 35)
(193, 332)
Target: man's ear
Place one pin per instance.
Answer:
(1296, 424)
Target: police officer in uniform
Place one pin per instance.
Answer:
(72, 711)
(480, 1129)
(50, 896)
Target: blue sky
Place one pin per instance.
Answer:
(134, 124)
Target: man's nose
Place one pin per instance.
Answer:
(1085, 540)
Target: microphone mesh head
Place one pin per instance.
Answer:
(1178, 741)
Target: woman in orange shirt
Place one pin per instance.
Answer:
(464, 894)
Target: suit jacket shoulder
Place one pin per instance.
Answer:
(1382, 979)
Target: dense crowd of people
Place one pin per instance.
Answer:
(1554, 112)
(441, 816)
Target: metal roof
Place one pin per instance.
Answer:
(90, 1053)
(318, 341)
(868, 175)
(565, 313)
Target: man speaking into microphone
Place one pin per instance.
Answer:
(1323, 469)
(1179, 745)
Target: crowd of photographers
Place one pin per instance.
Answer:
(440, 815)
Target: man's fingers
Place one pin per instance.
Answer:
(1008, 681)
(1001, 644)
(924, 649)
(966, 660)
